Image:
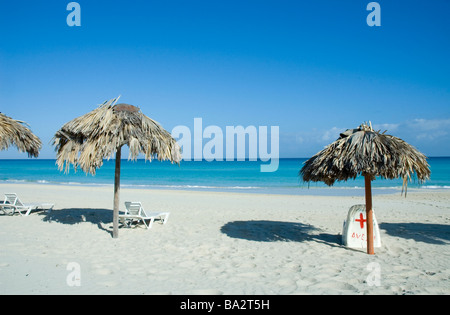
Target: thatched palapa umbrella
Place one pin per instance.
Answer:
(101, 133)
(14, 132)
(369, 153)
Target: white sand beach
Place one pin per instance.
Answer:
(222, 243)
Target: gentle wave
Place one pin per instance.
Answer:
(191, 186)
(43, 181)
(435, 187)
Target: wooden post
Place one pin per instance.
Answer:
(116, 194)
(369, 215)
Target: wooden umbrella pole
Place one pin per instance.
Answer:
(116, 194)
(369, 215)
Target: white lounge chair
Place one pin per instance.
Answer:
(135, 212)
(13, 203)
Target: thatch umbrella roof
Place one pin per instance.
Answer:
(14, 132)
(87, 140)
(364, 151)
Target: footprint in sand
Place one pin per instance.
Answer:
(334, 285)
(396, 250)
(286, 282)
(293, 266)
(103, 271)
(246, 265)
(248, 275)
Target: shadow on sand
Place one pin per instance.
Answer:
(438, 234)
(274, 231)
(99, 217)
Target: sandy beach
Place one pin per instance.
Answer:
(222, 243)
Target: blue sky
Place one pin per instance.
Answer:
(313, 68)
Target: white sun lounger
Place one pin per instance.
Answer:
(13, 203)
(135, 212)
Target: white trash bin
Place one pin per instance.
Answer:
(354, 234)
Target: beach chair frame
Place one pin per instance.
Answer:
(135, 213)
(12, 204)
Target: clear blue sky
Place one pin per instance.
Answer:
(313, 68)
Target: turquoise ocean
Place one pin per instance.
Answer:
(228, 176)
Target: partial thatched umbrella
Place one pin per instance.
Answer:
(369, 153)
(87, 140)
(14, 132)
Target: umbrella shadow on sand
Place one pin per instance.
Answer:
(100, 217)
(438, 234)
(274, 231)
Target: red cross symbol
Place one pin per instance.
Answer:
(361, 220)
